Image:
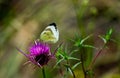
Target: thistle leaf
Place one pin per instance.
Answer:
(58, 62)
(74, 66)
(89, 46)
(104, 40)
(72, 58)
(74, 51)
(84, 39)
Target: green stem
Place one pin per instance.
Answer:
(83, 67)
(43, 72)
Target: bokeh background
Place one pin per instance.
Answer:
(22, 21)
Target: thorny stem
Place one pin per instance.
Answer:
(94, 59)
(43, 72)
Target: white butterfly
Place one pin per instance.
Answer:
(50, 34)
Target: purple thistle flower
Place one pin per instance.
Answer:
(39, 53)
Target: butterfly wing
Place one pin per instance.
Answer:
(50, 35)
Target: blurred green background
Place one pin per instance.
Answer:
(22, 21)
